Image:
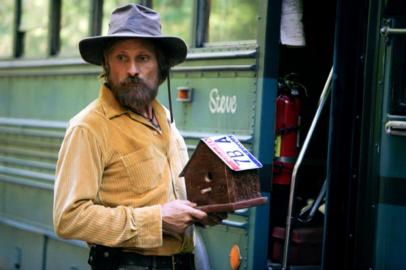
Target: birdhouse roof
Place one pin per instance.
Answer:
(229, 149)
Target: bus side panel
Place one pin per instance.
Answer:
(391, 237)
(36, 103)
(224, 100)
(218, 242)
(66, 256)
(20, 249)
(391, 215)
(45, 96)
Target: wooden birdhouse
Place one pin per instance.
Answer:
(222, 176)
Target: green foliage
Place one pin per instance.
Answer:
(6, 30)
(232, 20)
(74, 25)
(176, 17)
(35, 26)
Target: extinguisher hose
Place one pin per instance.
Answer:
(316, 204)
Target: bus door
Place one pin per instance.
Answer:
(391, 206)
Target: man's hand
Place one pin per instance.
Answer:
(178, 215)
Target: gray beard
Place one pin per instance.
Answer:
(133, 93)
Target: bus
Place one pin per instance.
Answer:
(316, 90)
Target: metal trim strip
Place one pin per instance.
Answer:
(53, 72)
(56, 62)
(38, 230)
(25, 173)
(31, 132)
(28, 153)
(25, 182)
(235, 224)
(28, 163)
(198, 135)
(35, 123)
(232, 68)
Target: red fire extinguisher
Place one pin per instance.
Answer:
(288, 105)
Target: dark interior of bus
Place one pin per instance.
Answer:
(308, 65)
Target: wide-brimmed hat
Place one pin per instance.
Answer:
(133, 21)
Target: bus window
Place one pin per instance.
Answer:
(6, 28)
(108, 7)
(233, 20)
(398, 69)
(34, 25)
(74, 25)
(176, 17)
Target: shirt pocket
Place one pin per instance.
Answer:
(144, 168)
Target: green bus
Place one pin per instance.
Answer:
(316, 90)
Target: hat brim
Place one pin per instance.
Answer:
(91, 49)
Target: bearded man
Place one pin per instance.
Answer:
(117, 178)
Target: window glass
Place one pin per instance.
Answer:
(34, 25)
(6, 28)
(176, 17)
(74, 25)
(232, 20)
(108, 7)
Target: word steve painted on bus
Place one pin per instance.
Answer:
(222, 104)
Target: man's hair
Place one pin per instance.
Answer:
(163, 65)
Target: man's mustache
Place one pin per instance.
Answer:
(132, 80)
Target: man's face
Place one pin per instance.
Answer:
(132, 73)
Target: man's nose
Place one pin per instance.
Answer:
(133, 69)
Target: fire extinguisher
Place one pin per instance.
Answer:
(287, 128)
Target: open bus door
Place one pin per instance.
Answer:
(365, 210)
(390, 234)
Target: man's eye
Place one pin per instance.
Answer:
(144, 58)
(121, 57)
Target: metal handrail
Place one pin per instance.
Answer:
(386, 30)
(396, 128)
(323, 97)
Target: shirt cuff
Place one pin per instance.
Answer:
(148, 225)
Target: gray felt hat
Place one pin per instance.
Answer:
(133, 21)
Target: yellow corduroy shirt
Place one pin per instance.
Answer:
(114, 171)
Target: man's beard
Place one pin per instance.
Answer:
(133, 93)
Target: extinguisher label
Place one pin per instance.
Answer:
(278, 141)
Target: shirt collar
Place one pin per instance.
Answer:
(112, 108)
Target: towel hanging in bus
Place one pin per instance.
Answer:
(291, 28)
